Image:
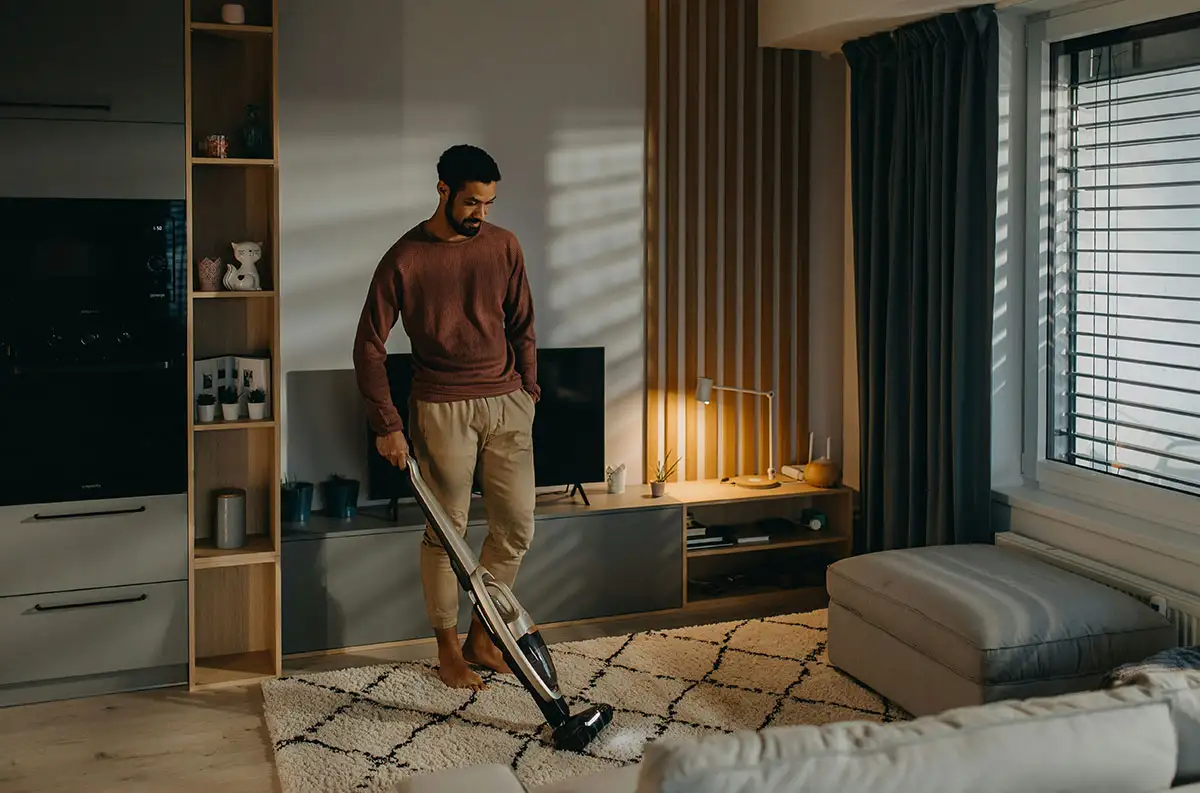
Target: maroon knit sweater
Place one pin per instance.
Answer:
(468, 313)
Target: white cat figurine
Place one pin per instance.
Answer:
(244, 277)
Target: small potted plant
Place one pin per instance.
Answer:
(230, 407)
(341, 496)
(665, 468)
(296, 500)
(206, 407)
(257, 404)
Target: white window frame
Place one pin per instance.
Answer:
(1126, 496)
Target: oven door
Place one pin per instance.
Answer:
(79, 432)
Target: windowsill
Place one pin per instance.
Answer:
(1150, 535)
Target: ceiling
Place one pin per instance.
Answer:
(824, 25)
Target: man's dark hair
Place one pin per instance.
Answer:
(465, 163)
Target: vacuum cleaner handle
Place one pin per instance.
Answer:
(440, 521)
(477, 580)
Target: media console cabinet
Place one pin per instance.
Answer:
(356, 583)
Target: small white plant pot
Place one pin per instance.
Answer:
(206, 413)
(258, 410)
(231, 412)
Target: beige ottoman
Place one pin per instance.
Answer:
(948, 626)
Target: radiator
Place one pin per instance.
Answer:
(1181, 608)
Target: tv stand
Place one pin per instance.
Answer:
(366, 571)
(578, 488)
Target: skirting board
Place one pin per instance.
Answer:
(93, 685)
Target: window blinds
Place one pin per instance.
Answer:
(1124, 275)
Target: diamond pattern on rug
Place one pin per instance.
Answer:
(367, 728)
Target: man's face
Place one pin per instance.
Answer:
(467, 209)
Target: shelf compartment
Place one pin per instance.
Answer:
(228, 73)
(258, 12)
(233, 327)
(234, 162)
(240, 424)
(245, 460)
(233, 205)
(231, 31)
(800, 539)
(258, 550)
(754, 596)
(231, 295)
(236, 624)
(716, 578)
(237, 669)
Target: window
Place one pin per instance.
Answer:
(1123, 333)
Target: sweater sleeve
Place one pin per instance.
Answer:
(380, 311)
(518, 316)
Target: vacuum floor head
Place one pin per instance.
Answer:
(578, 731)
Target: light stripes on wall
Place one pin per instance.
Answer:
(727, 238)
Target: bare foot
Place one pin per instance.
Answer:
(481, 651)
(453, 669)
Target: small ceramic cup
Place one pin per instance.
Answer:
(233, 14)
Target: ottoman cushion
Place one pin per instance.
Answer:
(995, 617)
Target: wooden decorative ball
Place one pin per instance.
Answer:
(822, 473)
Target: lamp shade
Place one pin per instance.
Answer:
(704, 387)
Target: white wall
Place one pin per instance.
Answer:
(1008, 314)
(371, 92)
(827, 260)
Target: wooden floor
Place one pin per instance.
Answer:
(174, 741)
(167, 740)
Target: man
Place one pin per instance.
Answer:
(459, 286)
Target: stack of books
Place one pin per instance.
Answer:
(701, 537)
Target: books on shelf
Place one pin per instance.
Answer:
(761, 532)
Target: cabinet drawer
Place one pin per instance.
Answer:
(68, 634)
(87, 544)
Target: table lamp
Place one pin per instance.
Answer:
(704, 389)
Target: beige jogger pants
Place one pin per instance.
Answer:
(449, 439)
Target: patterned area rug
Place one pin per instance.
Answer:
(367, 728)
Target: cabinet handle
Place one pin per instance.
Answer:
(57, 105)
(97, 514)
(138, 599)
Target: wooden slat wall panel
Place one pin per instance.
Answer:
(727, 238)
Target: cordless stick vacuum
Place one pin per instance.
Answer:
(511, 629)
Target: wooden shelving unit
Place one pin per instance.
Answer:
(234, 595)
(790, 563)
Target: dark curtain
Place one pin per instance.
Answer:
(924, 105)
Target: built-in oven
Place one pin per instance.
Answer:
(93, 349)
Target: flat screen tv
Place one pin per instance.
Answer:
(568, 427)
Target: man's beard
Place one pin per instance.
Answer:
(468, 228)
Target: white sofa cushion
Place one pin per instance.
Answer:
(1118, 741)
(1182, 690)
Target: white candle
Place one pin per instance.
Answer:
(810, 443)
(828, 447)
